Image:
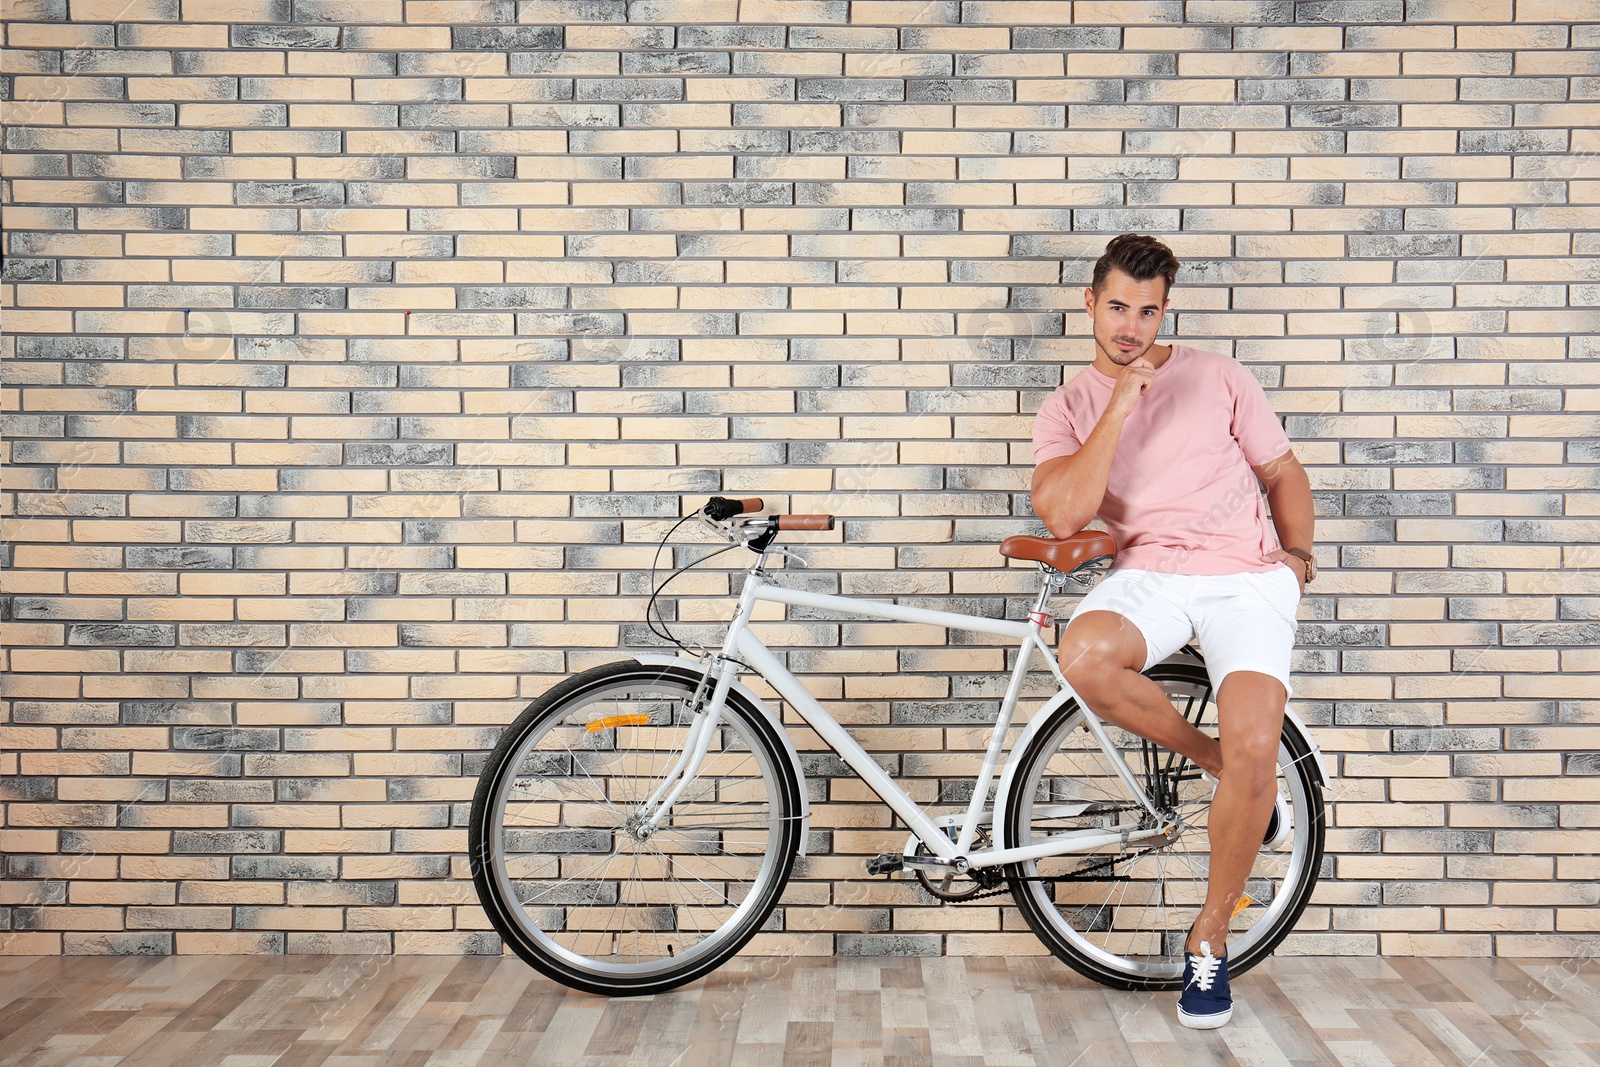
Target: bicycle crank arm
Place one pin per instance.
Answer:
(890, 862)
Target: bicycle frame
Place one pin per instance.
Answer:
(741, 642)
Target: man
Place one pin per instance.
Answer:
(1166, 444)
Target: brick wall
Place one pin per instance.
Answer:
(357, 351)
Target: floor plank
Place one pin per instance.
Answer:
(440, 1011)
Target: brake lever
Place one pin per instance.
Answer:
(786, 552)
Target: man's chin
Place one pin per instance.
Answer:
(1122, 357)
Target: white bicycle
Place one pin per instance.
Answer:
(636, 825)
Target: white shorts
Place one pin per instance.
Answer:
(1243, 622)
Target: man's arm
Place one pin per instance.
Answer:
(1068, 490)
(1289, 497)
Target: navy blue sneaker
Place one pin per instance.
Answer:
(1205, 1002)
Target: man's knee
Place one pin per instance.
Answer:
(1250, 714)
(1098, 643)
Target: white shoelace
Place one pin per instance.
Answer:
(1205, 967)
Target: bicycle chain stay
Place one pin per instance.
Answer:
(1076, 876)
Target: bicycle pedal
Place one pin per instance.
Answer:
(886, 863)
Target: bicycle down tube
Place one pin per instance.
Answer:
(741, 642)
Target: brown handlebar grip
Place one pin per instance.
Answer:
(805, 522)
(749, 504)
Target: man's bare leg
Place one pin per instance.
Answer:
(1250, 714)
(1101, 654)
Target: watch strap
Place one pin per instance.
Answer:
(1306, 557)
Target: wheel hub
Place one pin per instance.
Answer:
(638, 827)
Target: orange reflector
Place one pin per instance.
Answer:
(1245, 900)
(634, 719)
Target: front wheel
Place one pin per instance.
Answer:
(1121, 916)
(578, 884)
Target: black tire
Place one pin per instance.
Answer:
(1122, 921)
(558, 858)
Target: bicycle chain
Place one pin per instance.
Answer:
(1109, 861)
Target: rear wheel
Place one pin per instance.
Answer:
(571, 875)
(1120, 917)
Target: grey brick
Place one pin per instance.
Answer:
(307, 193)
(232, 842)
(28, 270)
(963, 90)
(169, 712)
(1386, 714)
(285, 868)
(1067, 38)
(889, 945)
(292, 296)
(1399, 504)
(1123, 220)
(507, 38)
(742, 36)
(1403, 245)
(740, 193)
(1344, 116)
(400, 455)
(676, 63)
(1554, 531)
(900, 219)
(226, 738)
(834, 142)
(841, 37)
(943, 711)
(850, 89)
(27, 789)
(132, 634)
(1502, 141)
(295, 37)
(1583, 451)
(1341, 634)
(1439, 739)
(180, 557)
(571, 323)
(1563, 634)
(13, 426)
(75, 347)
(1268, 12)
(625, 504)
(361, 894)
(1585, 763)
(207, 791)
(1291, 89)
(142, 943)
(1350, 11)
(511, 296)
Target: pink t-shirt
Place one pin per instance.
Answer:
(1181, 497)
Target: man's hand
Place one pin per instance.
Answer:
(1068, 490)
(1131, 384)
(1295, 562)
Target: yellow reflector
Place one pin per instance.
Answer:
(634, 719)
(1245, 901)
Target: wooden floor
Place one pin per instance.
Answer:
(411, 1011)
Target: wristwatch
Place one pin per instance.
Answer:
(1311, 564)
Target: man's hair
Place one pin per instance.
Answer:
(1138, 256)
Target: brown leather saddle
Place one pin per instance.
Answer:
(1065, 554)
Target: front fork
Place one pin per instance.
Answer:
(707, 717)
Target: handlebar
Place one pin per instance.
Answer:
(805, 522)
(720, 509)
(758, 533)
